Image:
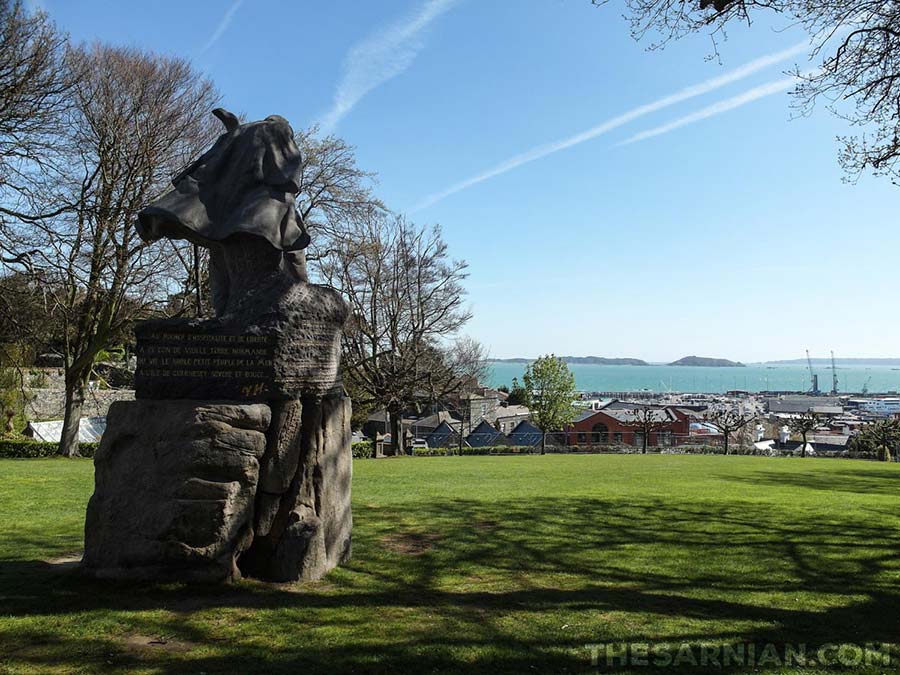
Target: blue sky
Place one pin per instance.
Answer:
(722, 229)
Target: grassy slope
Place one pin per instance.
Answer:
(485, 564)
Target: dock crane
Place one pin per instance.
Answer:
(865, 387)
(813, 378)
(834, 377)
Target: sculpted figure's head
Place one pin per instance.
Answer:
(244, 184)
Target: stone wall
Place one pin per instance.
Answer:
(49, 404)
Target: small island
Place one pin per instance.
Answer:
(706, 361)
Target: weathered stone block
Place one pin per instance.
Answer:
(207, 490)
(307, 532)
(285, 347)
(283, 450)
(175, 483)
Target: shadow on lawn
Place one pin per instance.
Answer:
(507, 586)
(872, 482)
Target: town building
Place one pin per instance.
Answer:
(882, 407)
(617, 422)
(506, 418)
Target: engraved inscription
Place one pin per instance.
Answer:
(236, 366)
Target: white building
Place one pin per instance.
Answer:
(879, 406)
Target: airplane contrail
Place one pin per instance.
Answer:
(692, 91)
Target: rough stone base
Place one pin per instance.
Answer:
(198, 490)
(303, 517)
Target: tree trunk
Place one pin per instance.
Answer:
(197, 285)
(543, 442)
(644, 441)
(396, 433)
(725, 437)
(68, 442)
(803, 447)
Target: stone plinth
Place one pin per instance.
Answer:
(235, 457)
(283, 349)
(203, 490)
(303, 518)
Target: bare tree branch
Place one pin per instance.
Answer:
(857, 45)
(134, 120)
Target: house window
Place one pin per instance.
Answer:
(617, 437)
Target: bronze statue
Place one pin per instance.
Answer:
(237, 200)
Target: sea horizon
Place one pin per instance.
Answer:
(757, 377)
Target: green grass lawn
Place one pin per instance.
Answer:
(485, 565)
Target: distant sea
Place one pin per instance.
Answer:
(692, 379)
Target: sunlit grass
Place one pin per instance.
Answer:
(485, 564)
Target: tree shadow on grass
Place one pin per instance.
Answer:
(500, 586)
(872, 482)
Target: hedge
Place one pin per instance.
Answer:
(28, 449)
(363, 449)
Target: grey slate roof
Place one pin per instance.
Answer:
(584, 414)
(484, 435)
(802, 404)
(525, 433)
(432, 421)
(443, 436)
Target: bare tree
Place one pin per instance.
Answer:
(35, 89)
(803, 424)
(136, 118)
(467, 366)
(647, 420)
(335, 195)
(406, 300)
(728, 421)
(857, 45)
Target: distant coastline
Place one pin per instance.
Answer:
(827, 362)
(709, 362)
(662, 378)
(590, 360)
(622, 361)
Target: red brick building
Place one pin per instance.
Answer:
(615, 424)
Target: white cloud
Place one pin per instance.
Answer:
(222, 25)
(684, 94)
(380, 57)
(756, 93)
